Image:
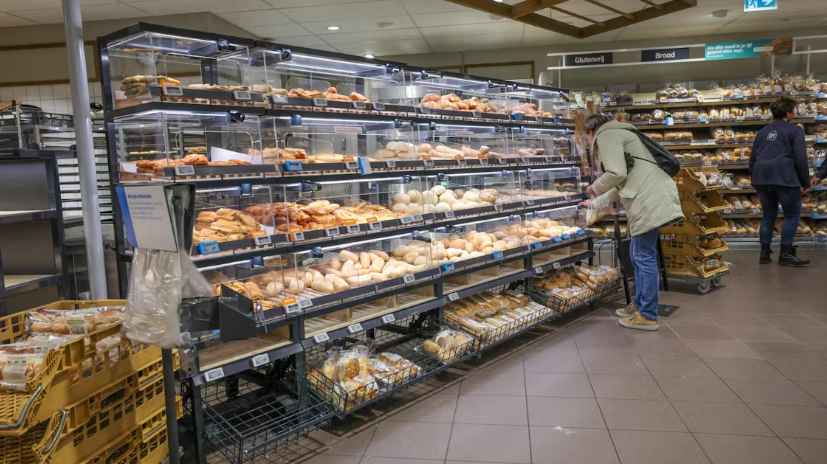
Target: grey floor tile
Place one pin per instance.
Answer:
(743, 368)
(741, 321)
(435, 408)
(721, 349)
(561, 385)
(722, 418)
(807, 334)
(367, 460)
(677, 366)
(491, 410)
(771, 391)
(692, 332)
(630, 387)
(554, 363)
(734, 449)
(641, 415)
(490, 443)
(705, 389)
(636, 447)
(817, 390)
(810, 451)
(553, 445)
(607, 363)
(506, 382)
(415, 440)
(761, 334)
(334, 459)
(565, 412)
(791, 321)
(794, 421)
(799, 365)
(353, 446)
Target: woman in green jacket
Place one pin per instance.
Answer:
(650, 198)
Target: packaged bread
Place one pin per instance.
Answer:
(392, 368)
(655, 136)
(74, 322)
(447, 345)
(677, 136)
(22, 361)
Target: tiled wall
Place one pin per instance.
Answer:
(57, 98)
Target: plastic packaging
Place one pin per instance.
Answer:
(158, 282)
(75, 322)
(21, 361)
(599, 207)
(447, 345)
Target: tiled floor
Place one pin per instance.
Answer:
(737, 376)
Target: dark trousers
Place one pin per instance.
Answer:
(790, 200)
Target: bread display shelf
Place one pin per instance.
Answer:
(703, 203)
(697, 225)
(686, 245)
(718, 123)
(757, 214)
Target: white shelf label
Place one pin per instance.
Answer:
(408, 278)
(462, 162)
(306, 303)
(172, 91)
(529, 202)
(498, 208)
(320, 102)
(261, 360)
(406, 219)
(321, 338)
(214, 374)
(449, 215)
(556, 265)
(242, 95)
(347, 129)
(357, 327)
(538, 270)
(353, 229)
(428, 163)
(351, 165)
(483, 160)
(390, 164)
(502, 161)
(376, 225)
(332, 232)
(756, 211)
(292, 308)
(298, 236)
(417, 217)
(263, 240)
(184, 170)
(387, 319)
(453, 296)
(727, 211)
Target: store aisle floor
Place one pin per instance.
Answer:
(735, 376)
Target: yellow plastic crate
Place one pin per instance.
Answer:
(686, 245)
(697, 225)
(703, 203)
(688, 179)
(34, 446)
(686, 266)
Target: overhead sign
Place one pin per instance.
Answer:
(760, 5)
(147, 218)
(589, 59)
(748, 49)
(664, 54)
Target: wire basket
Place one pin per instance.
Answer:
(489, 338)
(586, 297)
(254, 422)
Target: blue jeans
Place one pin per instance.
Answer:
(647, 279)
(790, 199)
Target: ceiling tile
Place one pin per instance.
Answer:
(27, 5)
(89, 13)
(257, 18)
(9, 20)
(309, 41)
(373, 36)
(166, 7)
(637, 33)
(481, 42)
(431, 6)
(279, 31)
(383, 23)
(306, 3)
(387, 47)
(358, 10)
(450, 20)
(752, 26)
(474, 31)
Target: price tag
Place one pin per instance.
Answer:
(538, 270)
(502, 161)
(528, 202)
(556, 265)
(417, 217)
(406, 219)
(707, 163)
(476, 114)
(321, 338)
(357, 327)
(375, 225)
(184, 170)
(462, 162)
(740, 118)
(498, 208)
(359, 105)
(498, 255)
(703, 119)
(387, 319)
(353, 229)
(390, 164)
(428, 163)
(298, 236)
(611, 103)
(520, 160)
(535, 245)
(448, 267)
(306, 303)
(700, 98)
(261, 238)
(332, 232)
(292, 165)
(408, 278)
(351, 165)
(449, 215)
(756, 211)
(242, 95)
(453, 296)
(663, 99)
(209, 247)
(292, 308)
(364, 165)
(172, 91)
(738, 96)
(670, 121)
(727, 211)
(261, 360)
(278, 99)
(214, 374)
(424, 110)
(320, 102)
(378, 106)
(484, 161)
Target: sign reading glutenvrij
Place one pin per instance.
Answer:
(589, 59)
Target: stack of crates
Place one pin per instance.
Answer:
(89, 402)
(689, 247)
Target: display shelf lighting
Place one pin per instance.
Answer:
(333, 28)
(369, 56)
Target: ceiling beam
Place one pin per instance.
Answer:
(653, 4)
(607, 7)
(575, 15)
(639, 16)
(530, 6)
(532, 19)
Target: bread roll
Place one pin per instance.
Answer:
(380, 254)
(322, 286)
(340, 284)
(345, 255)
(364, 259)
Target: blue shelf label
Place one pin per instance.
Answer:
(209, 247)
(565, 236)
(448, 267)
(536, 245)
(557, 239)
(580, 232)
(293, 165)
(821, 140)
(498, 255)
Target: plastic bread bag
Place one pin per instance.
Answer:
(446, 345)
(392, 368)
(73, 322)
(158, 282)
(354, 362)
(22, 361)
(599, 206)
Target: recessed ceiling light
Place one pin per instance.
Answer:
(369, 56)
(332, 28)
(498, 1)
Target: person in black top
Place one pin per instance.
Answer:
(779, 171)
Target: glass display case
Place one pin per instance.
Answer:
(328, 275)
(544, 228)
(543, 146)
(467, 194)
(457, 96)
(330, 209)
(549, 185)
(188, 144)
(457, 145)
(264, 283)
(537, 104)
(298, 80)
(146, 67)
(474, 243)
